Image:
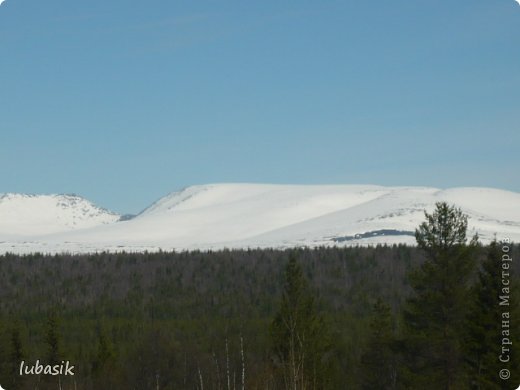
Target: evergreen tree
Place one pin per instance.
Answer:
(16, 355)
(435, 314)
(52, 339)
(379, 363)
(105, 352)
(53, 355)
(104, 368)
(484, 327)
(299, 335)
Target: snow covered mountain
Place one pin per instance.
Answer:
(256, 215)
(45, 214)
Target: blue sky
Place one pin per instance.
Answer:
(125, 101)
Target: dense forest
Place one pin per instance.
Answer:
(383, 317)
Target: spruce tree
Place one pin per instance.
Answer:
(53, 355)
(52, 339)
(104, 362)
(378, 362)
(298, 334)
(16, 355)
(435, 314)
(484, 327)
(105, 352)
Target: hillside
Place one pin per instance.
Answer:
(28, 215)
(255, 215)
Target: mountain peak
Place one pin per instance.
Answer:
(31, 214)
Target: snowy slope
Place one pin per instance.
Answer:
(253, 215)
(24, 215)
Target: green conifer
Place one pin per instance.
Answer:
(299, 335)
(484, 327)
(379, 363)
(435, 314)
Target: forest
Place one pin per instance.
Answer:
(429, 316)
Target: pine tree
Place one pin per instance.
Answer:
(435, 314)
(299, 335)
(379, 363)
(16, 355)
(484, 327)
(105, 352)
(52, 339)
(104, 362)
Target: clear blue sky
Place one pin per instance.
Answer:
(125, 101)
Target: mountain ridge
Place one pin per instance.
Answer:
(29, 214)
(243, 215)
